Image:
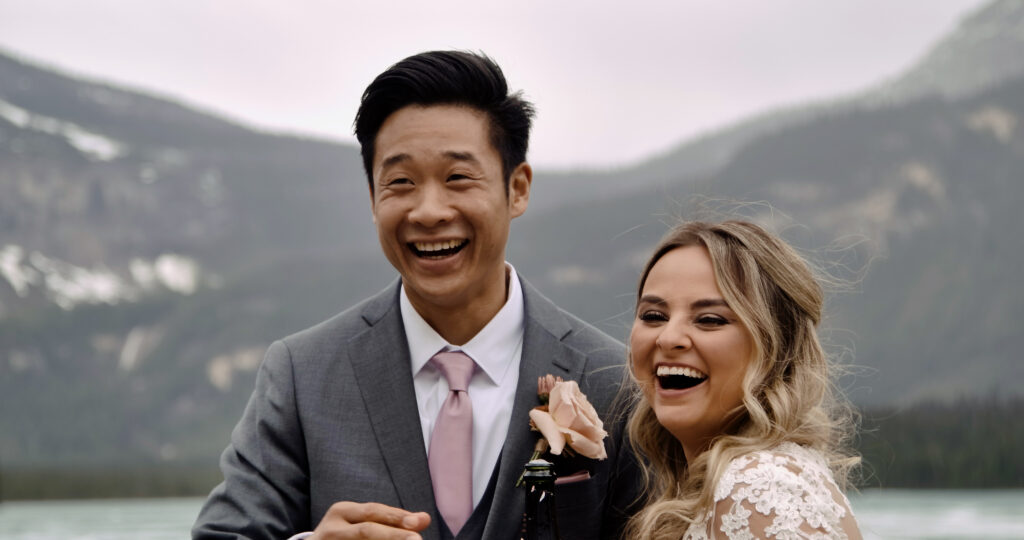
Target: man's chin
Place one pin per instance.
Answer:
(437, 291)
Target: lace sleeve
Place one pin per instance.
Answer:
(781, 494)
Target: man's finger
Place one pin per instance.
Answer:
(380, 513)
(370, 520)
(376, 531)
(416, 521)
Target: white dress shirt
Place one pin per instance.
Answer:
(497, 350)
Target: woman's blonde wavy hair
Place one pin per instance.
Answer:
(787, 389)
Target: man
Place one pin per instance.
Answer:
(347, 429)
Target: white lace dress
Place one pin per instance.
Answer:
(785, 493)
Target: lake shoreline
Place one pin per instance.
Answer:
(881, 513)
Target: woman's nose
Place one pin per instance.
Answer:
(674, 337)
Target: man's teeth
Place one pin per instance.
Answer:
(680, 370)
(436, 246)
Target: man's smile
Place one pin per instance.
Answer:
(437, 250)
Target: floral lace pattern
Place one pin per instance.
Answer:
(786, 493)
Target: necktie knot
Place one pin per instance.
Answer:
(456, 367)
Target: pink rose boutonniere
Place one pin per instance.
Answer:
(567, 419)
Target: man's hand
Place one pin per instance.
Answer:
(370, 521)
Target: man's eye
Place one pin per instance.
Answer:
(397, 181)
(457, 176)
(652, 316)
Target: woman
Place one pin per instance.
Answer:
(735, 413)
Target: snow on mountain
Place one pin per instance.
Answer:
(93, 145)
(69, 285)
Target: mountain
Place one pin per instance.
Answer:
(982, 51)
(150, 251)
(96, 174)
(914, 208)
(148, 254)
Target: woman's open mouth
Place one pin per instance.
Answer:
(678, 377)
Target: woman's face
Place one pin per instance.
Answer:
(688, 348)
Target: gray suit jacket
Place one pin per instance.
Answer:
(333, 417)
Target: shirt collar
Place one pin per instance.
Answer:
(492, 348)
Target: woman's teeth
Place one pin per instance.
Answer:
(679, 377)
(680, 370)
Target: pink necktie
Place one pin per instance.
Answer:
(451, 443)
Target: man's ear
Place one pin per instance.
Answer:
(519, 189)
(373, 206)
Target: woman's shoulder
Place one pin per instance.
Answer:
(787, 463)
(785, 488)
(783, 452)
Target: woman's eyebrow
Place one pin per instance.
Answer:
(709, 302)
(652, 299)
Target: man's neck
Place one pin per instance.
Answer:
(459, 324)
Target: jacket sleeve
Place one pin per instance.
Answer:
(265, 492)
(625, 489)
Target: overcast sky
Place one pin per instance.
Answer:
(614, 82)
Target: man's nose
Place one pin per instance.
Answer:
(674, 337)
(433, 207)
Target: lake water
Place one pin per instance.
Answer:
(882, 514)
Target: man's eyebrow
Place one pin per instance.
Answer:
(393, 160)
(461, 156)
(449, 154)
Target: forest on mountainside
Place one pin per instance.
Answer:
(968, 444)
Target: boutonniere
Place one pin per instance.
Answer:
(566, 421)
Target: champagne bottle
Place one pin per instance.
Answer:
(540, 521)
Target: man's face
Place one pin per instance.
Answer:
(441, 208)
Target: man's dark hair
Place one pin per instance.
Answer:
(448, 78)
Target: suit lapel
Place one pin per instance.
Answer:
(543, 353)
(380, 360)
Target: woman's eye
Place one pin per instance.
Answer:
(712, 320)
(652, 316)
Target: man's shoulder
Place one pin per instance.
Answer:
(590, 339)
(572, 330)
